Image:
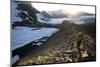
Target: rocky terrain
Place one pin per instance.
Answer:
(62, 48)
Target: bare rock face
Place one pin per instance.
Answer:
(65, 25)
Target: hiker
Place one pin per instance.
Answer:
(79, 39)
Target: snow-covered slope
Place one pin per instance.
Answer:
(14, 11)
(24, 35)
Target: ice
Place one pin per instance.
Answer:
(24, 35)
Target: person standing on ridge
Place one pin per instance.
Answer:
(79, 39)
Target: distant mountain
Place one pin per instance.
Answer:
(87, 17)
(22, 14)
(18, 7)
(85, 14)
(57, 14)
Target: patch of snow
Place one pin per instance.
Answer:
(37, 40)
(44, 39)
(28, 15)
(24, 35)
(14, 59)
(39, 43)
(39, 16)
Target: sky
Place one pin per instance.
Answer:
(68, 8)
